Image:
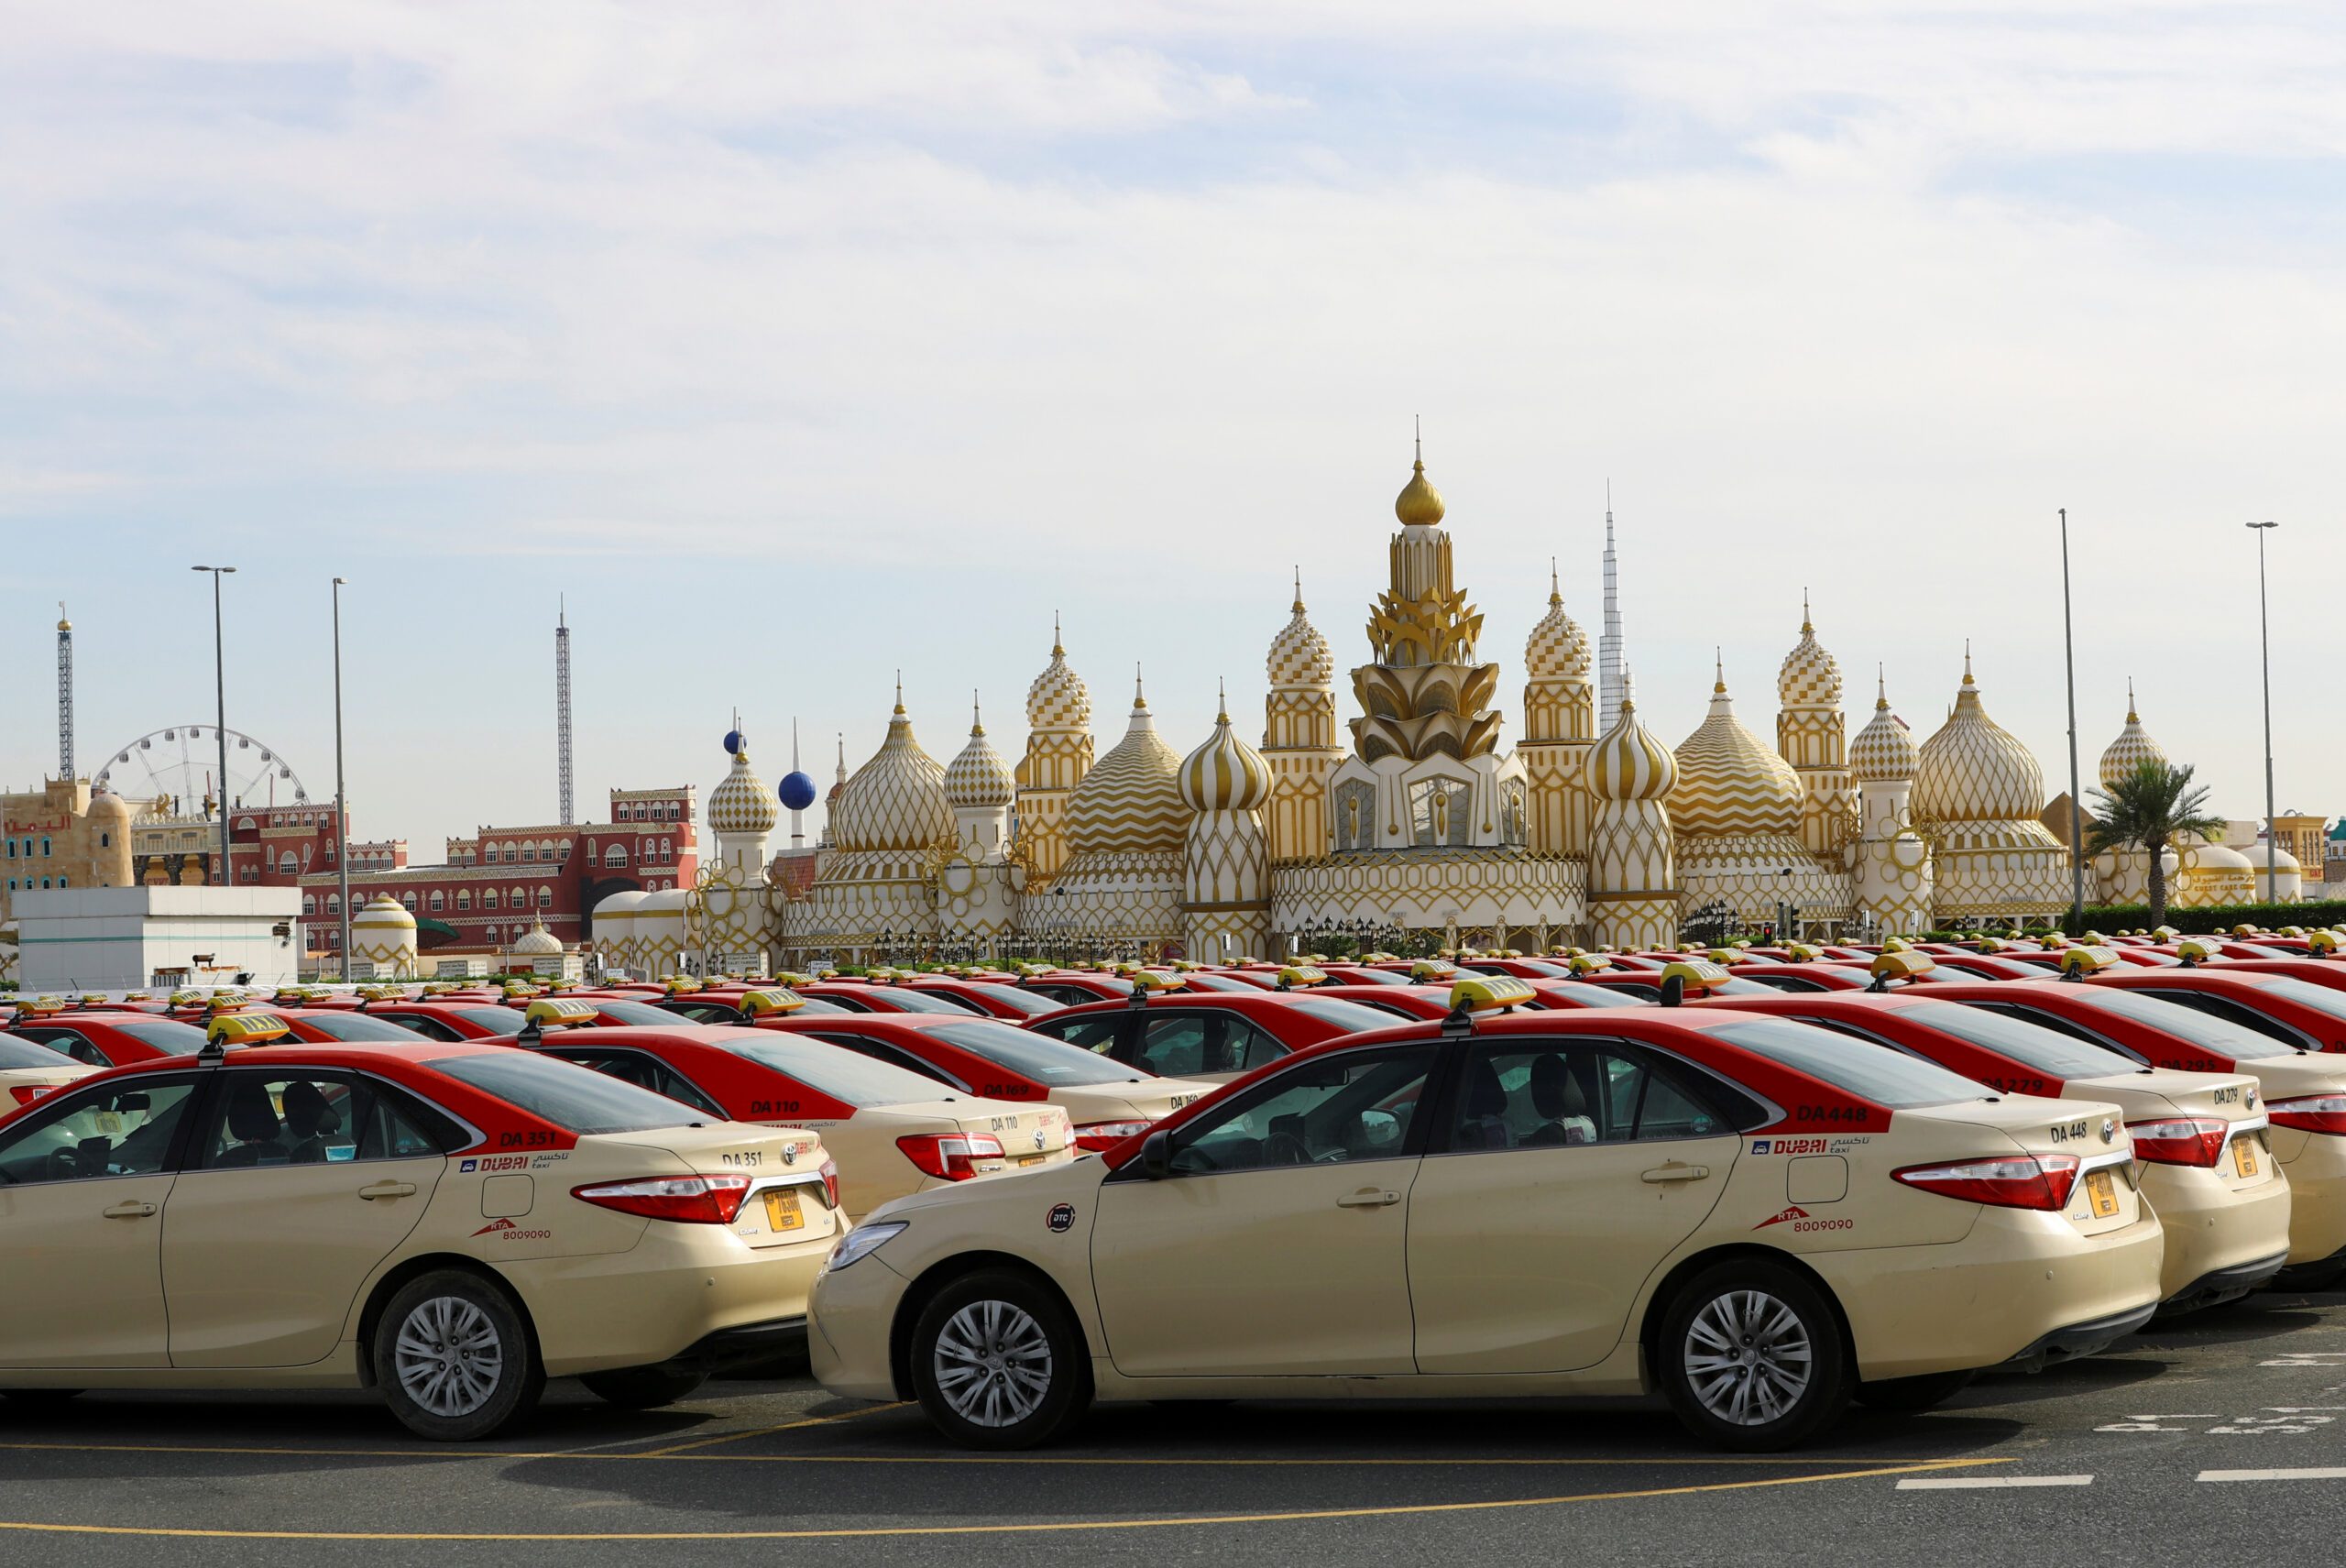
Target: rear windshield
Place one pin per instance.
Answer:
(357, 1026)
(1870, 1072)
(575, 1098)
(907, 1000)
(24, 1053)
(624, 1012)
(1025, 1001)
(2218, 1034)
(1349, 1016)
(1214, 982)
(1597, 996)
(1036, 1057)
(495, 1020)
(167, 1035)
(2057, 1056)
(1362, 976)
(844, 1075)
(2306, 993)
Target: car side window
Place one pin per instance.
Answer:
(895, 1056)
(425, 1025)
(1353, 1106)
(645, 1072)
(122, 1129)
(1246, 1048)
(2055, 1023)
(1090, 1032)
(307, 1118)
(76, 1045)
(1174, 1046)
(2232, 1012)
(1553, 1095)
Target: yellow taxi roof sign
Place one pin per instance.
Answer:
(1588, 963)
(1696, 974)
(246, 1029)
(1432, 968)
(1724, 955)
(2086, 959)
(42, 1004)
(2198, 950)
(770, 1003)
(1302, 975)
(1489, 992)
(559, 1010)
(1888, 967)
(1803, 953)
(2245, 929)
(1894, 944)
(1155, 979)
(2322, 941)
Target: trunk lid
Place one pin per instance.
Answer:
(2104, 1196)
(788, 1199)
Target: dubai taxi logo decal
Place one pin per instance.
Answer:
(512, 1233)
(1798, 1217)
(1789, 1214)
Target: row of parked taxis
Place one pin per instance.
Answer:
(1761, 1182)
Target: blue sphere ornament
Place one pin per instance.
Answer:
(732, 742)
(797, 792)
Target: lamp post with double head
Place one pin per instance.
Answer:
(2264, 657)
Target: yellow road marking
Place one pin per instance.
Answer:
(1055, 1528)
(765, 1431)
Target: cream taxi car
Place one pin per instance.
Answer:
(30, 1071)
(1738, 1211)
(450, 1225)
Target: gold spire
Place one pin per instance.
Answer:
(977, 724)
(2131, 716)
(1880, 690)
(1297, 608)
(900, 694)
(1419, 504)
(1140, 702)
(1555, 589)
(1221, 700)
(1057, 651)
(1807, 628)
(1967, 660)
(1718, 665)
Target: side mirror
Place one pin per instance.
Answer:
(1156, 1156)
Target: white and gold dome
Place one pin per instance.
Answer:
(896, 801)
(1225, 773)
(1810, 677)
(1729, 780)
(1884, 750)
(2132, 748)
(1627, 762)
(1131, 800)
(537, 942)
(1557, 647)
(1974, 770)
(1300, 655)
(1058, 699)
(741, 803)
(1127, 838)
(978, 778)
(1977, 793)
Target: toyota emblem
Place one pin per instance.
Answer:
(790, 1154)
(2108, 1130)
(1038, 1137)
(2251, 1100)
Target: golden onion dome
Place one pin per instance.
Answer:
(2132, 748)
(895, 801)
(979, 778)
(1974, 770)
(1557, 647)
(1131, 800)
(741, 802)
(1728, 781)
(1627, 762)
(1225, 773)
(1811, 677)
(1058, 699)
(1419, 504)
(1884, 750)
(1300, 655)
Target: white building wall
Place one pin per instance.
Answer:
(115, 938)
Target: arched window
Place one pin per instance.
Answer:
(545, 897)
(511, 854)
(667, 851)
(408, 899)
(44, 849)
(105, 840)
(286, 863)
(528, 853)
(439, 901)
(309, 904)
(616, 855)
(565, 851)
(492, 935)
(464, 898)
(488, 898)
(334, 903)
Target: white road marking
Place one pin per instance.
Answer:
(2329, 1473)
(1970, 1483)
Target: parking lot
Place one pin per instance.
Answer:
(2223, 1428)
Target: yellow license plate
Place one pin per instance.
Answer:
(782, 1208)
(2101, 1191)
(2244, 1155)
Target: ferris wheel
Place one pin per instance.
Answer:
(183, 761)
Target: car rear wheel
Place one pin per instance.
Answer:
(642, 1388)
(997, 1363)
(454, 1358)
(1751, 1358)
(1911, 1393)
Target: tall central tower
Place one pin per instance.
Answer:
(561, 714)
(1058, 755)
(1299, 737)
(64, 695)
(1608, 642)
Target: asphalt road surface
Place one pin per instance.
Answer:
(2220, 1438)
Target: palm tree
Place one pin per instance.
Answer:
(2148, 810)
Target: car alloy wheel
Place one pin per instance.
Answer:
(1747, 1358)
(992, 1363)
(449, 1356)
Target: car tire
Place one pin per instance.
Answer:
(998, 1362)
(454, 1358)
(1750, 1355)
(1912, 1394)
(643, 1387)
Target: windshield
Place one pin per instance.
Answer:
(164, 1035)
(1349, 1016)
(619, 1011)
(575, 1098)
(1025, 1001)
(1213, 982)
(842, 1074)
(906, 1000)
(1036, 1057)
(354, 1026)
(495, 1020)
(2057, 1056)
(1359, 976)
(1595, 996)
(2217, 1034)
(1869, 1071)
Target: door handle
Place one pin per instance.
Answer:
(1674, 1171)
(129, 1212)
(1368, 1197)
(388, 1190)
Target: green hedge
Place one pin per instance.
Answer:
(2216, 919)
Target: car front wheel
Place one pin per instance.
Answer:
(997, 1361)
(454, 1359)
(1751, 1357)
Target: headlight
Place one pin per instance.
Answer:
(861, 1241)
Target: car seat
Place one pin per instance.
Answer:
(308, 1120)
(252, 1121)
(1563, 1107)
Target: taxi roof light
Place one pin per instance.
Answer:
(1888, 967)
(770, 1003)
(1483, 993)
(2195, 951)
(1690, 974)
(243, 1029)
(1300, 976)
(1426, 969)
(2080, 962)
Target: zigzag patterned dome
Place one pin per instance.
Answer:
(1884, 750)
(741, 802)
(1300, 655)
(1557, 647)
(2132, 748)
(1131, 800)
(895, 801)
(1974, 770)
(1058, 699)
(1627, 762)
(1730, 783)
(979, 778)
(1811, 677)
(1225, 773)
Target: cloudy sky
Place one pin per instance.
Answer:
(797, 343)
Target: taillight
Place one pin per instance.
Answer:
(695, 1200)
(2179, 1140)
(2021, 1181)
(27, 1093)
(832, 1182)
(953, 1157)
(2313, 1114)
(1098, 1135)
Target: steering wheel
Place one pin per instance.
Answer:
(60, 1166)
(1285, 1148)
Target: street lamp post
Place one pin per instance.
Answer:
(2077, 807)
(220, 692)
(2264, 656)
(341, 803)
